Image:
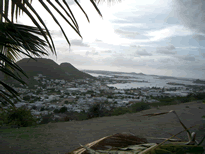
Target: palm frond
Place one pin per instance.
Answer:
(16, 39)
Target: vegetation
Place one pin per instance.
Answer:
(20, 117)
(97, 110)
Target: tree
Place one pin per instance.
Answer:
(16, 39)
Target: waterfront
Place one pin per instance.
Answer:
(149, 81)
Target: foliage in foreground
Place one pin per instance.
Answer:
(20, 117)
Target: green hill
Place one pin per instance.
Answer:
(70, 70)
(48, 68)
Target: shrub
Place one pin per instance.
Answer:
(42, 109)
(199, 96)
(96, 110)
(139, 107)
(119, 111)
(66, 118)
(26, 98)
(184, 99)
(63, 110)
(21, 117)
(56, 111)
(66, 102)
(34, 107)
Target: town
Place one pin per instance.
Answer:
(81, 94)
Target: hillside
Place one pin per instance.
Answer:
(64, 137)
(50, 69)
(70, 70)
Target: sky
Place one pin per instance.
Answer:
(158, 37)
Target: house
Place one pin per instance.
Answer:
(152, 101)
(88, 95)
(18, 105)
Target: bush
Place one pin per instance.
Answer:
(26, 98)
(34, 107)
(66, 102)
(139, 107)
(96, 110)
(63, 110)
(199, 96)
(66, 118)
(184, 99)
(56, 111)
(119, 111)
(21, 117)
(42, 109)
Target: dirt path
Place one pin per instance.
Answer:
(65, 137)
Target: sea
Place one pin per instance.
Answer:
(152, 81)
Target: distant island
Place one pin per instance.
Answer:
(199, 81)
(111, 72)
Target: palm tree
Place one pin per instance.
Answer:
(17, 38)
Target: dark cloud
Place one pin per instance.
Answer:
(166, 50)
(78, 43)
(191, 14)
(187, 58)
(138, 51)
(199, 37)
(129, 34)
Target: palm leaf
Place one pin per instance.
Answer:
(82, 10)
(17, 38)
(47, 9)
(73, 20)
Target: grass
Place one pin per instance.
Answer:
(22, 132)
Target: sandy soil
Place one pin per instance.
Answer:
(65, 137)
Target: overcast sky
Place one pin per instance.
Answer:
(160, 37)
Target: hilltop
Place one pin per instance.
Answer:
(50, 69)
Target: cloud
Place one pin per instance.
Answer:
(106, 51)
(71, 2)
(76, 59)
(96, 40)
(56, 33)
(128, 34)
(191, 14)
(76, 42)
(199, 37)
(91, 53)
(186, 58)
(166, 50)
(202, 52)
(137, 51)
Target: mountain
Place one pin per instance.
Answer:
(46, 67)
(70, 70)
(50, 69)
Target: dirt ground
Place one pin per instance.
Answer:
(66, 136)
